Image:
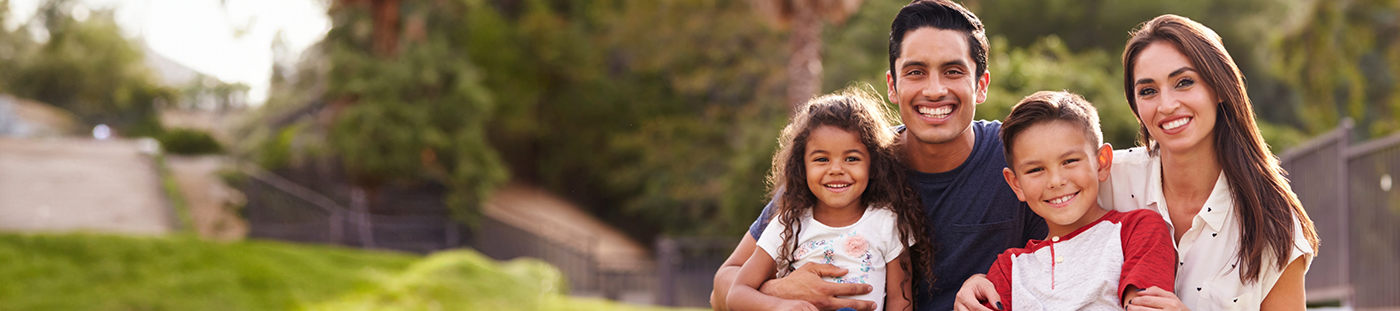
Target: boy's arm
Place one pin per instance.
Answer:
(1000, 276)
(898, 292)
(744, 295)
(1149, 256)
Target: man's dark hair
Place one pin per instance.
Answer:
(939, 14)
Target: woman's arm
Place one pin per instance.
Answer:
(898, 292)
(744, 294)
(1288, 293)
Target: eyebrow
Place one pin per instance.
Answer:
(824, 151)
(1174, 73)
(1062, 156)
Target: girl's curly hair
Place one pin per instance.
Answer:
(855, 111)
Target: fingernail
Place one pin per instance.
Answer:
(999, 306)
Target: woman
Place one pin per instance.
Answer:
(1244, 241)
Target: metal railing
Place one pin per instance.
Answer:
(1349, 192)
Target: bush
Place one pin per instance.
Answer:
(188, 142)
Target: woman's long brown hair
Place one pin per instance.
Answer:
(1264, 202)
(859, 113)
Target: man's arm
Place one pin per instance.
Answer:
(725, 276)
(805, 284)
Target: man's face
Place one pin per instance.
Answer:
(935, 84)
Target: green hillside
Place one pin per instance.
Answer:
(102, 272)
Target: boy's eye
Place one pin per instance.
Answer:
(1033, 170)
(1071, 161)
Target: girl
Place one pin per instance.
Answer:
(1244, 241)
(846, 203)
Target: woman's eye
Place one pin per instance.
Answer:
(1185, 83)
(1147, 91)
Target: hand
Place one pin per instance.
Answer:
(806, 284)
(795, 305)
(976, 291)
(1155, 298)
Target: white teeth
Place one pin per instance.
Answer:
(837, 185)
(940, 112)
(1062, 199)
(1175, 124)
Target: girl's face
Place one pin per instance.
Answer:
(1174, 103)
(838, 167)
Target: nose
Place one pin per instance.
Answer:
(1056, 180)
(837, 169)
(1168, 104)
(934, 89)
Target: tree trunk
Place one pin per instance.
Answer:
(804, 69)
(386, 26)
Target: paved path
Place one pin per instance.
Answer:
(210, 201)
(76, 184)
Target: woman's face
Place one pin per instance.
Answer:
(1174, 103)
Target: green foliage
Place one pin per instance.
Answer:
(1343, 58)
(188, 142)
(85, 67)
(418, 114)
(101, 272)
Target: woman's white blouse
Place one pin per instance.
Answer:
(1207, 276)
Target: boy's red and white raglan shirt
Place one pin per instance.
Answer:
(1089, 268)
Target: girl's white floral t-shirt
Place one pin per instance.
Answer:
(862, 248)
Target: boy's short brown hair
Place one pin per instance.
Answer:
(1046, 106)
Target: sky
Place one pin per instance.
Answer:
(230, 39)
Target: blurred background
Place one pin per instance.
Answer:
(554, 154)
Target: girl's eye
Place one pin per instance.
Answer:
(819, 159)
(1185, 83)
(852, 159)
(1147, 91)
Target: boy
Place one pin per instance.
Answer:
(1093, 258)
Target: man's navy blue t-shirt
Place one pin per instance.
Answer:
(973, 214)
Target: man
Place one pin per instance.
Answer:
(938, 74)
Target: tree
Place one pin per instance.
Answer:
(803, 19)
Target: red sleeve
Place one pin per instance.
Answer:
(1149, 256)
(1000, 275)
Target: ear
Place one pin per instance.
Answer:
(1105, 158)
(890, 92)
(982, 86)
(1013, 182)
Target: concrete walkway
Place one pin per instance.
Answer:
(76, 184)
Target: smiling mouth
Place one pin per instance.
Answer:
(1176, 124)
(936, 113)
(838, 185)
(1063, 199)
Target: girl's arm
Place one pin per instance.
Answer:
(744, 294)
(897, 291)
(1287, 294)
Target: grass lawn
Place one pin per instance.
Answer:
(105, 272)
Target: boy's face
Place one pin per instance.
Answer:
(1057, 171)
(935, 84)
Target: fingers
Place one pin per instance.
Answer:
(861, 305)
(848, 289)
(1157, 292)
(1155, 299)
(976, 290)
(824, 270)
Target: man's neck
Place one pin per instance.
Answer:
(938, 158)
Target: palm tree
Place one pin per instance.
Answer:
(804, 19)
